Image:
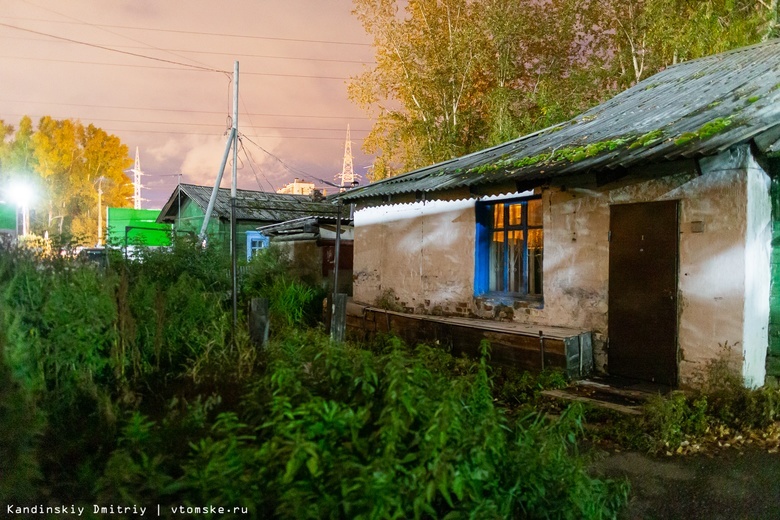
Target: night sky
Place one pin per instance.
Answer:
(79, 59)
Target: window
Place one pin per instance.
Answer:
(255, 241)
(510, 247)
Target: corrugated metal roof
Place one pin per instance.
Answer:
(250, 205)
(692, 109)
(301, 224)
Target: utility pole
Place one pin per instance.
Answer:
(233, 186)
(232, 141)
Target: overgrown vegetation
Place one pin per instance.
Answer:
(720, 412)
(125, 385)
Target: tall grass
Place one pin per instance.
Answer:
(125, 385)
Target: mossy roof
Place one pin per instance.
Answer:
(692, 109)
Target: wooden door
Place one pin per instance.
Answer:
(643, 253)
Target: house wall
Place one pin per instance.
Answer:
(420, 255)
(758, 275)
(218, 230)
(424, 252)
(305, 259)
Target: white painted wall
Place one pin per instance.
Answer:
(425, 253)
(758, 251)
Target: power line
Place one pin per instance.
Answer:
(186, 67)
(201, 33)
(153, 109)
(182, 123)
(110, 49)
(290, 169)
(249, 161)
(234, 54)
(285, 137)
(147, 46)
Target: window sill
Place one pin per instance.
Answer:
(515, 301)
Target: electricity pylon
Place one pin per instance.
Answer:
(137, 173)
(347, 178)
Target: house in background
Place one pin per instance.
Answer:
(186, 209)
(297, 187)
(645, 224)
(310, 243)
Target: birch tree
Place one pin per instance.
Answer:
(653, 34)
(454, 76)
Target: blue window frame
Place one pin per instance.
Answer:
(509, 248)
(255, 241)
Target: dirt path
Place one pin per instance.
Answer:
(731, 484)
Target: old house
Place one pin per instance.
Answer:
(186, 209)
(311, 244)
(644, 225)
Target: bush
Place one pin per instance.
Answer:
(341, 432)
(94, 357)
(668, 420)
(292, 301)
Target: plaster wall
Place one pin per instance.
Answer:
(423, 252)
(712, 252)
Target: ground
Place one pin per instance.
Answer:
(729, 484)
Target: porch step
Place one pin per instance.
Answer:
(628, 400)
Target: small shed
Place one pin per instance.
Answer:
(311, 244)
(645, 222)
(186, 209)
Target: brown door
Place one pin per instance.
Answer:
(643, 252)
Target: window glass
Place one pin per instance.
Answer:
(515, 253)
(497, 262)
(498, 216)
(515, 214)
(535, 255)
(514, 239)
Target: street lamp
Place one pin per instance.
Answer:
(22, 194)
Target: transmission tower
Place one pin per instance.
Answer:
(347, 178)
(137, 173)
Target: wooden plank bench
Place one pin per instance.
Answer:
(526, 347)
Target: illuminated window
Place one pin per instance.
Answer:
(510, 248)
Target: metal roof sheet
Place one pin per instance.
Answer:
(691, 109)
(251, 205)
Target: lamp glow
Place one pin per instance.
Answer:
(22, 194)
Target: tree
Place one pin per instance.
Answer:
(650, 35)
(455, 76)
(66, 160)
(427, 64)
